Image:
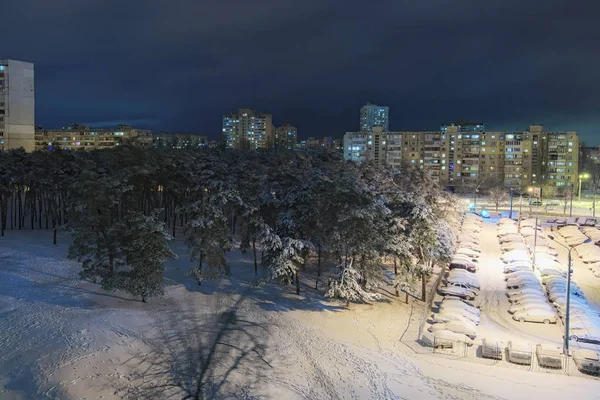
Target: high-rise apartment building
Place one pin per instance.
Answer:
(17, 105)
(285, 137)
(372, 115)
(464, 159)
(248, 130)
(463, 126)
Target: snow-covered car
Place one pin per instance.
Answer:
(553, 278)
(522, 283)
(588, 361)
(465, 258)
(512, 237)
(455, 315)
(527, 290)
(515, 255)
(544, 263)
(470, 245)
(471, 228)
(461, 264)
(525, 297)
(586, 336)
(468, 252)
(545, 315)
(506, 221)
(468, 237)
(509, 246)
(553, 272)
(518, 274)
(468, 281)
(464, 285)
(511, 230)
(457, 291)
(448, 339)
(466, 328)
(530, 305)
(455, 306)
(517, 266)
(546, 249)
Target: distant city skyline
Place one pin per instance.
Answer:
(311, 64)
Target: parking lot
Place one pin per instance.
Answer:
(495, 323)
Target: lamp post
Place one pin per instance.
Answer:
(511, 202)
(568, 295)
(582, 176)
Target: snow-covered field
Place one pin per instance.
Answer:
(64, 338)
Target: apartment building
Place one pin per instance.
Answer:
(166, 140)
(84, 138)
(372, 115)
(285, 137)
(324, 143)
(247, 130)
(464, 157)
(17, 105)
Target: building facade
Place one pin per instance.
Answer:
(324, 143)
(464, 160)
(83, 138)
(166, 140)
(17, 105)
(372, 115)
(285, 137)
(247, 130)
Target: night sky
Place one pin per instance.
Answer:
(177, 65)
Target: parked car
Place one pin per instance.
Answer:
(524, 283)
(464, 285)
(467, 328)
(455, 315)
(588, 361)
(552, 272)
(452, 306)
(513, 237)
(461, 264)
(521, 291)
(518, 266)
(468, 252)
(465, 258)
(471, 283)
(587, 336)
(544, 315)
(525, 297)
(519, 274)
(470, 245)
(457, 291)
(530, 305)
(448, 339)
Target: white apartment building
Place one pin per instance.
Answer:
(17, 105)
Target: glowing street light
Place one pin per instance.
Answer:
(582, 176)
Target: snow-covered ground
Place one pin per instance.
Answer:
(64, 338)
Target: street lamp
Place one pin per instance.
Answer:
(582, 176)
(568, 305)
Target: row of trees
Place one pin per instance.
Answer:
(122, 207)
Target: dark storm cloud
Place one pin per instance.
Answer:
(179, 65)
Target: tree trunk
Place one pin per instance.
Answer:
(423, 286)
(298, 282)
(347, 303)
(19, 199)
(174, 219)
(254, 253)
(318, 266)
(54, 236)
(395, 266)
(406, 297)
(144, 299)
